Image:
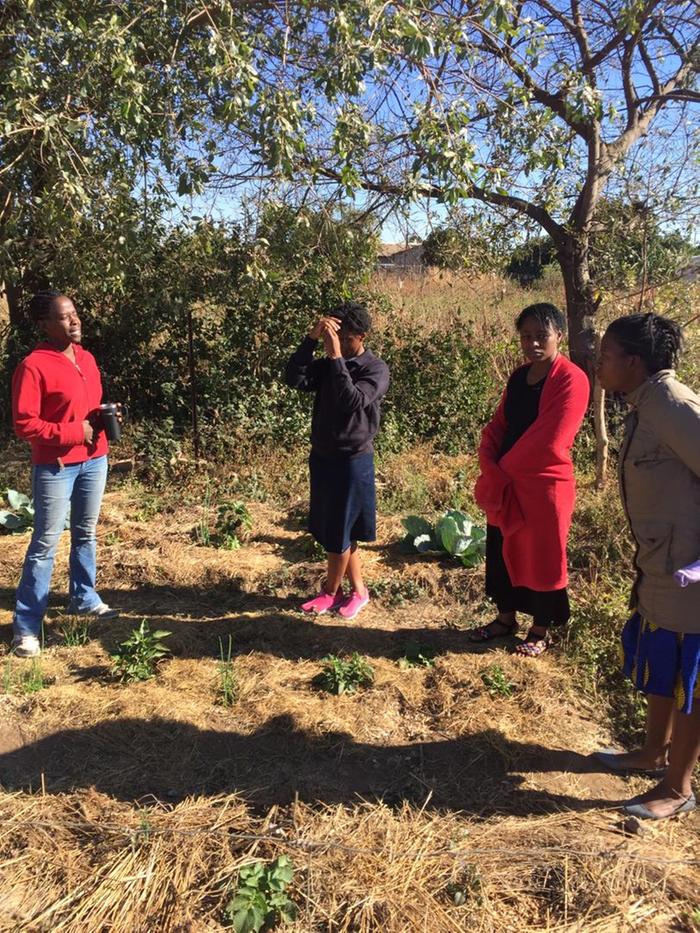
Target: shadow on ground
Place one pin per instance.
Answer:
(131, 758)
(199, 619)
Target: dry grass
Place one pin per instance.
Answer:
(133, 807)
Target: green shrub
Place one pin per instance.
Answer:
(442, 388)
(528, 260)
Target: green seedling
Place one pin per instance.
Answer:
(496, 682)
(138, 657)
(261, 898)
(75, 631)
(416, 655)
(341, 676)
(227, 687)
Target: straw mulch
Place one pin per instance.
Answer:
(423, 803)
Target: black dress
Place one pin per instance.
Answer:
(547, 608)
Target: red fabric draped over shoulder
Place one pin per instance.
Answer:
(530, 492)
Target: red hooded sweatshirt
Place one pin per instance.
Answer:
(51, 397)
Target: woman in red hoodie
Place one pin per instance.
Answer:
(527, 486)
(56, 393)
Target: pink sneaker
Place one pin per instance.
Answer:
(324, 602)
(352, 605)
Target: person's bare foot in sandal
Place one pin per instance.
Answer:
(502, 626)
(535, 643)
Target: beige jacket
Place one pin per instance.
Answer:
(659, 474)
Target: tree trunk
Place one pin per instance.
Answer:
(581, 302)
(13, 295)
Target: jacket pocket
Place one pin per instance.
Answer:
(654, 540)
(685, 546)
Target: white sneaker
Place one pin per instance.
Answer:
(100, 611)
(26, 646)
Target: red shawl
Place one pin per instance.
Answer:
(529, 493)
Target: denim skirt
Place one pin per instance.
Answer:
(662, 662)
(343, 501)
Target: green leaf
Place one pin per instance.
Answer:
(16, 499)
(248, 920)
(415, 525)
(10, 521)
(447, 532)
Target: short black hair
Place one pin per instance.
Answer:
(657, 340)
(547, 314)
(40, 304)
(354, 317)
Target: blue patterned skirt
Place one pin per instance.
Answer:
(662, 662)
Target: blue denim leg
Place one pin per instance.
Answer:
(51, 489)
(86, 500)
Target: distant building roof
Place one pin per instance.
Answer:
(390, 249)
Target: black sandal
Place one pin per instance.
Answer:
(484, 632)
(533, 645)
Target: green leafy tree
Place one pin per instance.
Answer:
(98, 101)
(467, 243)
(530, 108)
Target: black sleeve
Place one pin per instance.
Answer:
(302, 370)
(353, 396)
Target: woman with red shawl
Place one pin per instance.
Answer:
(527, 487)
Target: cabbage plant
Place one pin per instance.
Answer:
(454, 533)
(20, 515)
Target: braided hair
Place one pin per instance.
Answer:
(40, 304)
(354, 317)
(548, 315)
(656, 340)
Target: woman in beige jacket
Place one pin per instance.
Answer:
(659, 472)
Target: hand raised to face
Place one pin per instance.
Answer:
(331, 343)
(322, 325)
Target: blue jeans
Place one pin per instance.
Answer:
(79, 486)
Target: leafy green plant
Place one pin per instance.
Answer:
(156, 447)
(232, 524)
(416, 655)
(261, 898)
(227, 687)
(453, 533)
(20, 515)
(496, 681)
(313, 549)
(75, 631)
(340, 675)
(28, 679)
(138, 656)
(396, 592)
